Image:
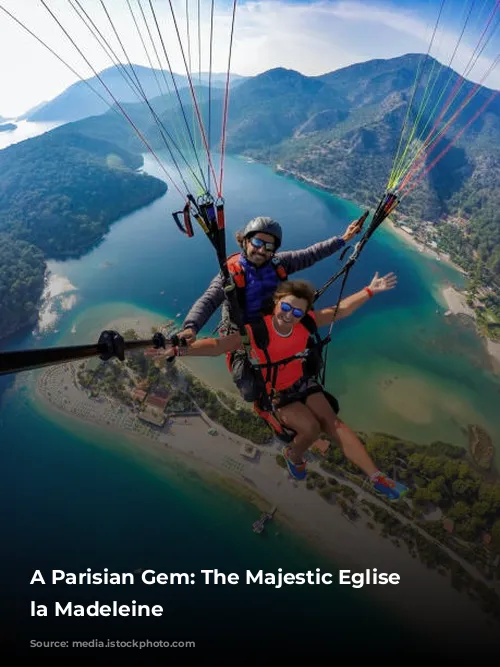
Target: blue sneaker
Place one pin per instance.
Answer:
(388, 487)
(298, 471)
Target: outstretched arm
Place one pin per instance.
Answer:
(203, 309)
(213, 347)
(351, 303)
(205, 347)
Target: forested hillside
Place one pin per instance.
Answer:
(59, 193)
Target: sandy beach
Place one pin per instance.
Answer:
(494, 352)
(352, 545)
(456, 302)
(415, 244)
(457, 305)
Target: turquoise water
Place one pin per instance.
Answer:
(77, 499)
(440, 372)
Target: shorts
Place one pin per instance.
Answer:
(297, 393)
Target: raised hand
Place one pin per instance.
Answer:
(355, 227)
(383, 284)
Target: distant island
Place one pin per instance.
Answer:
(449, 520)
(7, 127)
(59, 194)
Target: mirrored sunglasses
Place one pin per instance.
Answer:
(287, 308)
(259, 243)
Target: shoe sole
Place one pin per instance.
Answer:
(299, 479)
(392, 500)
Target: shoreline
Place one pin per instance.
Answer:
(411, 241)
(457, 306)
(420, 247)
(451, 296)
(217, 459)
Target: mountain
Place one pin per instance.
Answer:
(80, 101)
(341, 131)
(32, 111)
(350, 136)
(277, 104)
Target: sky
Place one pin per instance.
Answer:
(312, 37)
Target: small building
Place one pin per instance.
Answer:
(139, 395)
(158, 401)
(406, 229)
(320, 447)
(248, 451)
(448, 525)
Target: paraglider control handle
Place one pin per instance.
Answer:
(111, 344)
(176, 342)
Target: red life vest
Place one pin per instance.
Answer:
(281, 349)
(238, 273)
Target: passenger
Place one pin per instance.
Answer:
(299, 400)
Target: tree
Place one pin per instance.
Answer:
(431, 466)
(437, 484)
(426, 495)
(459, 511)
(465, 486)
(469, 530)
(480, 508)
(490, 493)
(450, 470)
(325, 492)
(415, 461)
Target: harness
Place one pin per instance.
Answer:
(313, 365)
(312, 357)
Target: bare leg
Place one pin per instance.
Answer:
(299, 417)
(351, 445)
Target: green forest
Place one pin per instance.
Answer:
(21, 283)
(59, 194)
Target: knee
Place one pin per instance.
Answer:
(310, 429)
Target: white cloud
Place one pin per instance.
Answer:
(313, 38)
